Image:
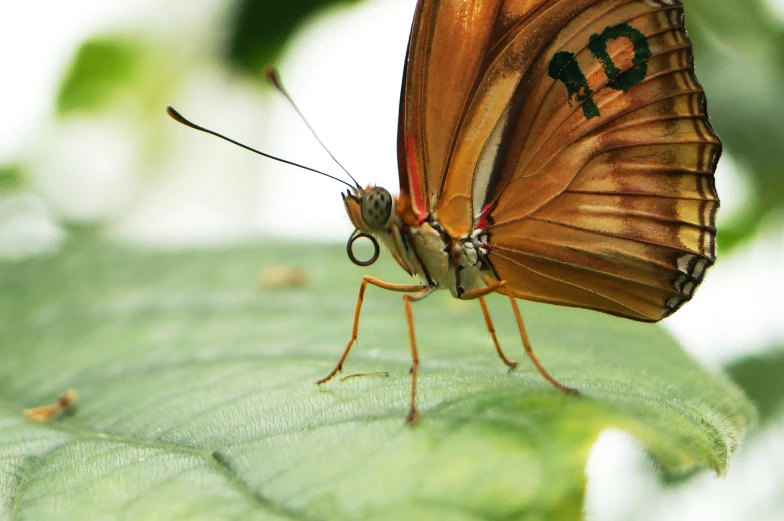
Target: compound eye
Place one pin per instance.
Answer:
(376, 207)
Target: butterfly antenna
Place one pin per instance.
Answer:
(181, 119)
(274, 78)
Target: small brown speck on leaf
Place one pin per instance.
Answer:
(47, 412)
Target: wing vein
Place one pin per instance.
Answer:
(602, 233)
(639, 194)
(585, 268)
(549, 277)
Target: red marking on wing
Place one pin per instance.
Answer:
(485, 221)
(416, 186)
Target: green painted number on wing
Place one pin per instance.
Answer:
(564, 67)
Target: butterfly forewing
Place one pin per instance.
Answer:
(584, 132)
(446, 55)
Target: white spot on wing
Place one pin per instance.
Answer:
(679, 282)
(699, 269)
(484, 167)
(674, 303)
(684, 263)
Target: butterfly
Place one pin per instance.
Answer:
(556, 151)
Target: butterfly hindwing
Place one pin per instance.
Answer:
(580, 124)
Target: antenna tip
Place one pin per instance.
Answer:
(271, 73)
(176, 115)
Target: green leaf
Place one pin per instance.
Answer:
(102, 70)
(11, 178)
(260, 29)
(196, 395)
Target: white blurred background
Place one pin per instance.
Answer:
(162, 184)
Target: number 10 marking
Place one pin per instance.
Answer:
(564, 67)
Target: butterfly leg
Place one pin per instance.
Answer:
(404, 288)
(478, 294)
(413, 415)
(510, 363)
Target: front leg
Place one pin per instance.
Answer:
(402, 288)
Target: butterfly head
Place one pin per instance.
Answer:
(371, 210)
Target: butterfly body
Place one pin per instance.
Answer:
(425, 249)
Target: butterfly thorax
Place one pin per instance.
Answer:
(458, 265)
(423, 249)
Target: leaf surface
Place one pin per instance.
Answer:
(196, 397)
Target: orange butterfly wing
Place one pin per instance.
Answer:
(583, 138)
(445, 58)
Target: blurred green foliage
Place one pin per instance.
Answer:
(739, 48)
(260, 29)
(762, 378)
(101, 69)
(11, 178)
